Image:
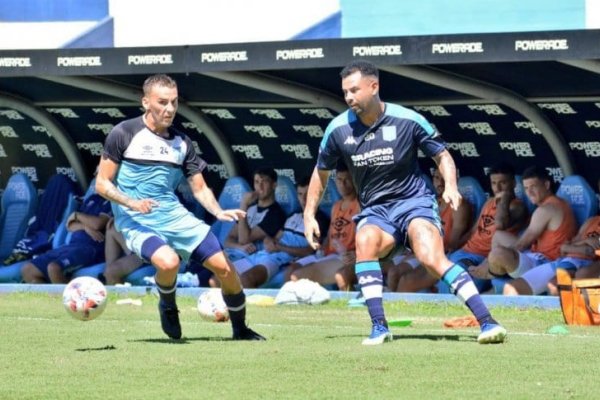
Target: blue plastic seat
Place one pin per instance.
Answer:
(285, 195)
(230, 197)
(19, 203)
(580, 195)
(61, 233)
(12, 273)
(472, 191)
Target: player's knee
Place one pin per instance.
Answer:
(55, 273)
(255, 277)
(29, 272)
(168, 261)
(517, 287)
(289, 271)
(261, 275)
(302, 273)
(214, 282)
(502, 254)
(552, 288)
(367, 238)
(406, 283)
(509, 290)
(224, 272)
(112, 276)
(341, 282)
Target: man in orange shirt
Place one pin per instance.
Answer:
(552, 224)
(502, 212)
(575, 255)
(336, 264)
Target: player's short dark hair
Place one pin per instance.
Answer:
(366, 68)
(303, 181)
(341, 166)
(536, 172)
(266, 171)
(158, 80)
(503, 168)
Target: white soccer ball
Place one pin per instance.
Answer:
(211, 306)
(84, 298)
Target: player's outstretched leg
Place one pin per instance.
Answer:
(370, 279)
(169, 314)
(236, 304)
(462, 286)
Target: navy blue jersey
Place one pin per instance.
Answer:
(381, 158)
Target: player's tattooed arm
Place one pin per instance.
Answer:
(115, 195)
(205, 196)
(447, 168)
(143, 205)
(107, 171)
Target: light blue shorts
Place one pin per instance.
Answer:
(183, 234)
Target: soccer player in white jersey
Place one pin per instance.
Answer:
(379, 143)
(143, 161)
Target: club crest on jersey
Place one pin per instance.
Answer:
(389, 133)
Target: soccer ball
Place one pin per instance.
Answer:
(211, 306)
(84, 298)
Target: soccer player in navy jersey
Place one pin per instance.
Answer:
(143, 161)
(379, 143)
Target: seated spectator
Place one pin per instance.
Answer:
(120, 261)
(86, 247)
(336, 263)
(575, 255)
(406, 274)
(288, 244)
(552, 224)
(504, 211)
(592, 270)
(264, 217)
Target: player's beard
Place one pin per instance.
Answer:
(161, 122)
(356, 108)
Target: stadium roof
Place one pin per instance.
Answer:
(529, 76)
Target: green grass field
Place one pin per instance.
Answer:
(313, 352)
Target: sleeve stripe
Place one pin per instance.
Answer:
(397, 111)
(342, 119)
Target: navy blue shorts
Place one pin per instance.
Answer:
(206, 249)
(69, 257)
(394, 218)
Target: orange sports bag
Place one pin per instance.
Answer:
(579, 299)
